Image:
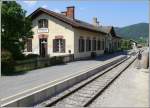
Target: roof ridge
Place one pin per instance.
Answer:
(75, 22)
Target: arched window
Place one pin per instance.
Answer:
(88, 44)
(81, 44)
(43, 23)
(94, 44)
(103, 44)
(98, 45)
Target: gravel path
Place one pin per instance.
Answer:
(129, 90)
(83, 95)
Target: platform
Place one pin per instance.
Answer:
(37, 85)
(11, 85)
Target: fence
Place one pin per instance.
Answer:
(40, 62)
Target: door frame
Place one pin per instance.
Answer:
(43, 47)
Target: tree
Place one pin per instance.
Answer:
(7, 63)
(125, 44)
(16, 27)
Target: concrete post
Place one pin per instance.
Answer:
(145, 60)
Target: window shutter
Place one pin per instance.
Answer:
(79, 45)
(46, 23)
(63, 45)
(101, 45)
(40, 23)
(54, 45)
(57, 45)
(83, 45)
(92, 45)
(95, 44)
(89, 45)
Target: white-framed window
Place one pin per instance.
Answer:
(43, 23)
(98, 45)
(88, 44)
(81, 44)
(94, 44)
(103, 44)
(59, 45)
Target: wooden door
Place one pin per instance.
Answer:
(43, 47)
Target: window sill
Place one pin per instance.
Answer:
(28, 51)
(59, 52)
(82, 52)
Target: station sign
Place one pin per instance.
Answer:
(43, 30)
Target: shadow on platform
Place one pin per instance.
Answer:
(110, 56)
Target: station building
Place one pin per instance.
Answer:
(58, 34)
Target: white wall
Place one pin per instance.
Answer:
(86, 34)
(56, 27)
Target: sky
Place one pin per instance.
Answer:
(118, 13)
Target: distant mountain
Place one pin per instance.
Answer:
(138, 32)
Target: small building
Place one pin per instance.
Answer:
(58, 34)
(113, 42)
(133, 44)
(117, 43)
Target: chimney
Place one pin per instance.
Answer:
(64, 13)
(95, 22)
(70, 12)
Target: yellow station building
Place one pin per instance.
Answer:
(58, 34)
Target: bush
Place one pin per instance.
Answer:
(7, 63)
(30, 56)
(93, 54)
(59, 59)
(56, 60)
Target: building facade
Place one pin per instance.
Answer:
(58, 34)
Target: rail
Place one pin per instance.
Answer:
(78, 91)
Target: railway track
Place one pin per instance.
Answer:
(84, 93)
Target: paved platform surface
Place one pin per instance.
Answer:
(11, 85)
(131, 89)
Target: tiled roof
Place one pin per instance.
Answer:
(106, 29)
(109, 29)
(73, 22)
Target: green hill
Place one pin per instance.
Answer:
(138, 32)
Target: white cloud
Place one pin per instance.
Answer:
(57, 10)
(44, 6)
(30, 2)
(82, 8)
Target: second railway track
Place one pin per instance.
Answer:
(84, 93)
